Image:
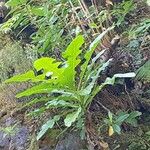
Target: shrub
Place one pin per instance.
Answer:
(67, 89)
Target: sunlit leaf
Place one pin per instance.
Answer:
(71, 55)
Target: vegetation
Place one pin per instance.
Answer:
(64, 88)
(63, 85)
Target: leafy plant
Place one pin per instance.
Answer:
(46, 19)
(10, 130)
(143, 73)
(120, 11)
(138, 30)
(67, 91)
(115, 121)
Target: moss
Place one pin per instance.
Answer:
(14, 58)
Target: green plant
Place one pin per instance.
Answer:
(67, 91)
(120, 11)
(140, 29)
(143, 73)
(115, 121)
(10, 130)
(48, 21)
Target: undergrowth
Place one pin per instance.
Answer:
(68, 92)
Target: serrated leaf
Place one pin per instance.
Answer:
(47, 64)
(41, 88)
(72, 117)
(21, 78)
(48, 125)
(71, 55)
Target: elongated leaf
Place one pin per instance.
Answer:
(125, 75)
(108, 81)
(94, 78)
(48, 125)
(35, 101)
(71, 55)
(121, 118)
(59, 103)
(14, 3)
(132, 118)
(41, 88)
(23, 77)
(110, 115)
(38, 11)
(116, 128)
(72, 117)
(51, 72)
(92, 48)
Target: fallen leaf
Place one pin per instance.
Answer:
(109, 2)
(111, 131)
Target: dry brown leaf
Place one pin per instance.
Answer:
(109, 2)
(104, 145)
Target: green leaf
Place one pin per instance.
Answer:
(72, 117)
(48, 125)
(148, 133)
(48, 65)
(94, 78)
(121, 118)
(35, 101)
(58, 103)
(92, 48)
(71, 55)
(143, 73)
(14, 3)
(132, 117)
(110, 115)
(116, 128)
(41, 88)
(37, 11)
(21, 78)
(111, 81)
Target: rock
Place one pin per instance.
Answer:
(4, 142)
(17, 139)
(72, 141)
(3, 11)
(20, 139)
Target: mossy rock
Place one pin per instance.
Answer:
(14, 58)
